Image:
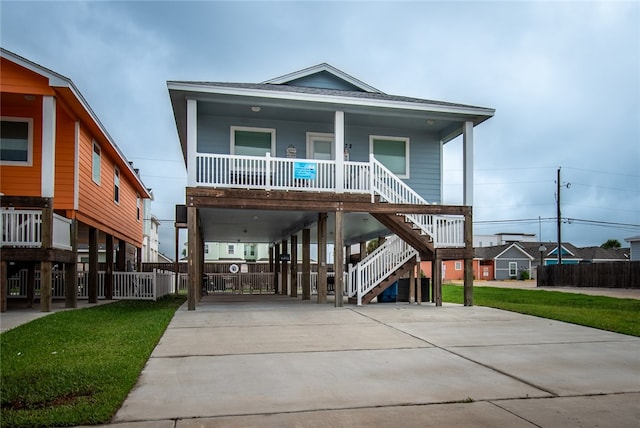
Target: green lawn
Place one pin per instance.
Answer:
(77, 367)
(606, 313)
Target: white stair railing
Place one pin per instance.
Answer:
(444, 231)
(375, 268)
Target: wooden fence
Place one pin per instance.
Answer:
(605, 275)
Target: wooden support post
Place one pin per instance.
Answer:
(45, 286)
(277, 287)
(412, 284)
(46, 265)
(347, 255)
(338, 260)
(271, 250)
(195, 276)
(322, 258)
(294, 265)
(121, 262)
(363, 250)
(4, 285)
(306, 264)
(71, 271)
(437, 279)
(284, 268)
(70, 285)
(92, 283)
(176, 261)
(200, 260)
(108, 273)
(468, 261)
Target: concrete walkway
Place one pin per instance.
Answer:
(249, 361)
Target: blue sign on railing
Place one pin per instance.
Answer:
(304, 170)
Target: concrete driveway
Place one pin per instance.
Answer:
(244, 361)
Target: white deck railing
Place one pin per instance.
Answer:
(374, 268)
(270, 173)
(23, 228)
(126, 285)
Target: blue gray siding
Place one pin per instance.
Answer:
(511, 255)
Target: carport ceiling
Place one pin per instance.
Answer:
(267, 226)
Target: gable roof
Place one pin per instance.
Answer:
(67, 90)
(318, 69)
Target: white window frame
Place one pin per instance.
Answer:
(406, 141)
(271, 131)
(514, 266)
(116, 185)
(96, 167)
(29, 121)
(313, 135)
(458, 265)
(231, 249)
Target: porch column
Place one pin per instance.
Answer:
(48, 146)
(285, 278)
(436, 277)
(294, 265)
(192, 141)
(71, 271)
(4, 285)
(306, 264)
(347, 255)
(46, 265)
(338, 260)
(108, 274)
(468, 260)
(200, 259)
(363, 250)
(467, 162)
(276, 269)
(339, 150)
(322, 258)
(419, 282)
(92, 283)
(176, 261)
(193, 259)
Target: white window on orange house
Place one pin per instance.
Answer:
(458, 266)
(16, 141)
(116, 185)
(95, 163)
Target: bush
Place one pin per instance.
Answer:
(524, 275)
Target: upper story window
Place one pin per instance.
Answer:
(16, 141)
(392, 152)
(231, 249)
(116, 185)
(138, 208)
(95, 163)
(252, 141)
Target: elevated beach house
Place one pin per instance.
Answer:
(63, 181)
(317, 156)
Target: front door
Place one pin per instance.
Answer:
(320, 146)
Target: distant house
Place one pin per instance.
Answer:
(634, 241)
(318, 156)
(64, 183)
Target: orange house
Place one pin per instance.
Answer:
(63, 181)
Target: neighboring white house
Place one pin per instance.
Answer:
(634, 242)
(150, 238)
(480, 241)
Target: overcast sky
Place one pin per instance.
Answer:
(564, 79)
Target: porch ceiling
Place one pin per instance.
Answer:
(267, 226)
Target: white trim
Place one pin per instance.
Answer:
(48, 169)
(331, 99)
(76, 167)
(519, 248)
(93, 148)
(29, 122)
(318, 69)
(339, 150)
(509, 269)
(311, 136)
(467, 163)
(407, 150)
(192, 142)
(233, 129)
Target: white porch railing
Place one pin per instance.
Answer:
(374, 268)
(126, 285)
(270, 173)
(23, 228)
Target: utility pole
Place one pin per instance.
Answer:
(559, 219)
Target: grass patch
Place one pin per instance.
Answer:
(77, 367)
(605, 313)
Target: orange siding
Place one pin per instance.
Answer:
(65, 159)
(18, 80)
(96, 204)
